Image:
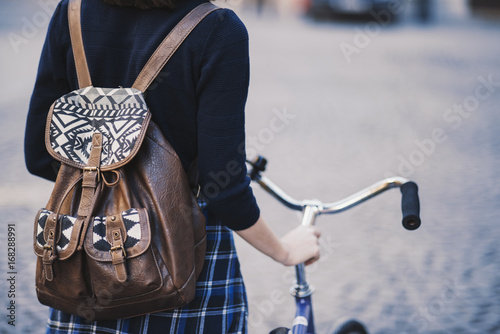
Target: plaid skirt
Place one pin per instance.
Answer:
(220, 305)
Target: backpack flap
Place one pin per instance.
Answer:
(119, 114)
(132, 227)
(115, 239)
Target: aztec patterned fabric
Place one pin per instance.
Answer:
(132, 225)
(66, 226)
(220, 305)
(130, 220)
(117, 113)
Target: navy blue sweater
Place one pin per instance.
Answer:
(197, 100)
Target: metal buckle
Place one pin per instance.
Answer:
(93, 169)
(115, 248)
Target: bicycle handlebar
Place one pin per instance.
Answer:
(409, 203)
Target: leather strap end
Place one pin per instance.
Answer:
(47, 265)
(49, 272)
(121, 271)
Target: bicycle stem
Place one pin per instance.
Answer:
(302, 288)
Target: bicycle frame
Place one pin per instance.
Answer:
(301, 290)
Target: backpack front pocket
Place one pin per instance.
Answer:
(60, 266)
(121, 257)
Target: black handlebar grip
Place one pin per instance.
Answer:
(258, 166)
(410, 205)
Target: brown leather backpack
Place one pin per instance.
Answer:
(122, 234)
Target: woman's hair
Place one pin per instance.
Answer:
(143, 4)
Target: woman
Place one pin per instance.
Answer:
(198, 102)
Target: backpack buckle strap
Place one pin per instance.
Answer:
(119, 257)
(49, 249)
(115, 231)
(47, 261)
(91, 176)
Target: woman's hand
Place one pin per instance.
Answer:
(301, 245)
(297, 246)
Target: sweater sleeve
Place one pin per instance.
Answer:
(51, 83)
(222, 92)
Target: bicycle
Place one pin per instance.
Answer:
(304, 318)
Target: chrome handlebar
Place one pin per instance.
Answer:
(410, 202)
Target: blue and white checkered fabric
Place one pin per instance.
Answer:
(220, 305)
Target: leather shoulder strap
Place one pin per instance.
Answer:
(75, 31)
(159, 58)
(170, 44)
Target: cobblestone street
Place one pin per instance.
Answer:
(335, 106)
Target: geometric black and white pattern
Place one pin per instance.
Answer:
(132, 225)
(65, 225)
(116, 113)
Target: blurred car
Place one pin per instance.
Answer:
(349, 7)
(477, 4)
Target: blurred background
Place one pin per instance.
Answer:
(342, 94)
